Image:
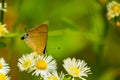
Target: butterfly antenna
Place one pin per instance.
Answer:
(25, 28)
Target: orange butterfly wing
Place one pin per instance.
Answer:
(37, 38)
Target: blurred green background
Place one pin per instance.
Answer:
(76, 28)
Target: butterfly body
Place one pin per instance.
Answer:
(36, 38)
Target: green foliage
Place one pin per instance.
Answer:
(76, 28)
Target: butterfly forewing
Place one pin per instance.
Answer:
(37, 38)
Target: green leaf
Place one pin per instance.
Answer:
(3, 44)
(69, 78)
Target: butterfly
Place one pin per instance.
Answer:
(36, 38)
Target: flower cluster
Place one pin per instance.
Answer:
(113, 9)
(4, 70)
(46, 67)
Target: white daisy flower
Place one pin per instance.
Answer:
(4, 77)
(5, 6)
(4, 68)
(54, 76)
(44, 65)
(76, 68)
(113, 9)
(26, 62)
(3, 30)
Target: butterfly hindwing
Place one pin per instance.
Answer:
(37, 38)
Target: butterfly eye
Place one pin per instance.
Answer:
(26, 35)
(22, 38)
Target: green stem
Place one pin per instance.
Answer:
(101, 46)
(2, 12)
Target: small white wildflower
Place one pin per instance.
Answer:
(4, 77)
(26, 62)
(113, 9)
(4, 68)
(76, 68)
(54, 76)
(5, 6)
(3, 30)
(44, 65)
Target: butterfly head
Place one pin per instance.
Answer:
(24, 36)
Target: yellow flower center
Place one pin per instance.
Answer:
(1, 65)
(52, 78)
(27, 63)
(3, 76)
(74, 71)
(41, 64)
(2, 32)
(116, 8)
